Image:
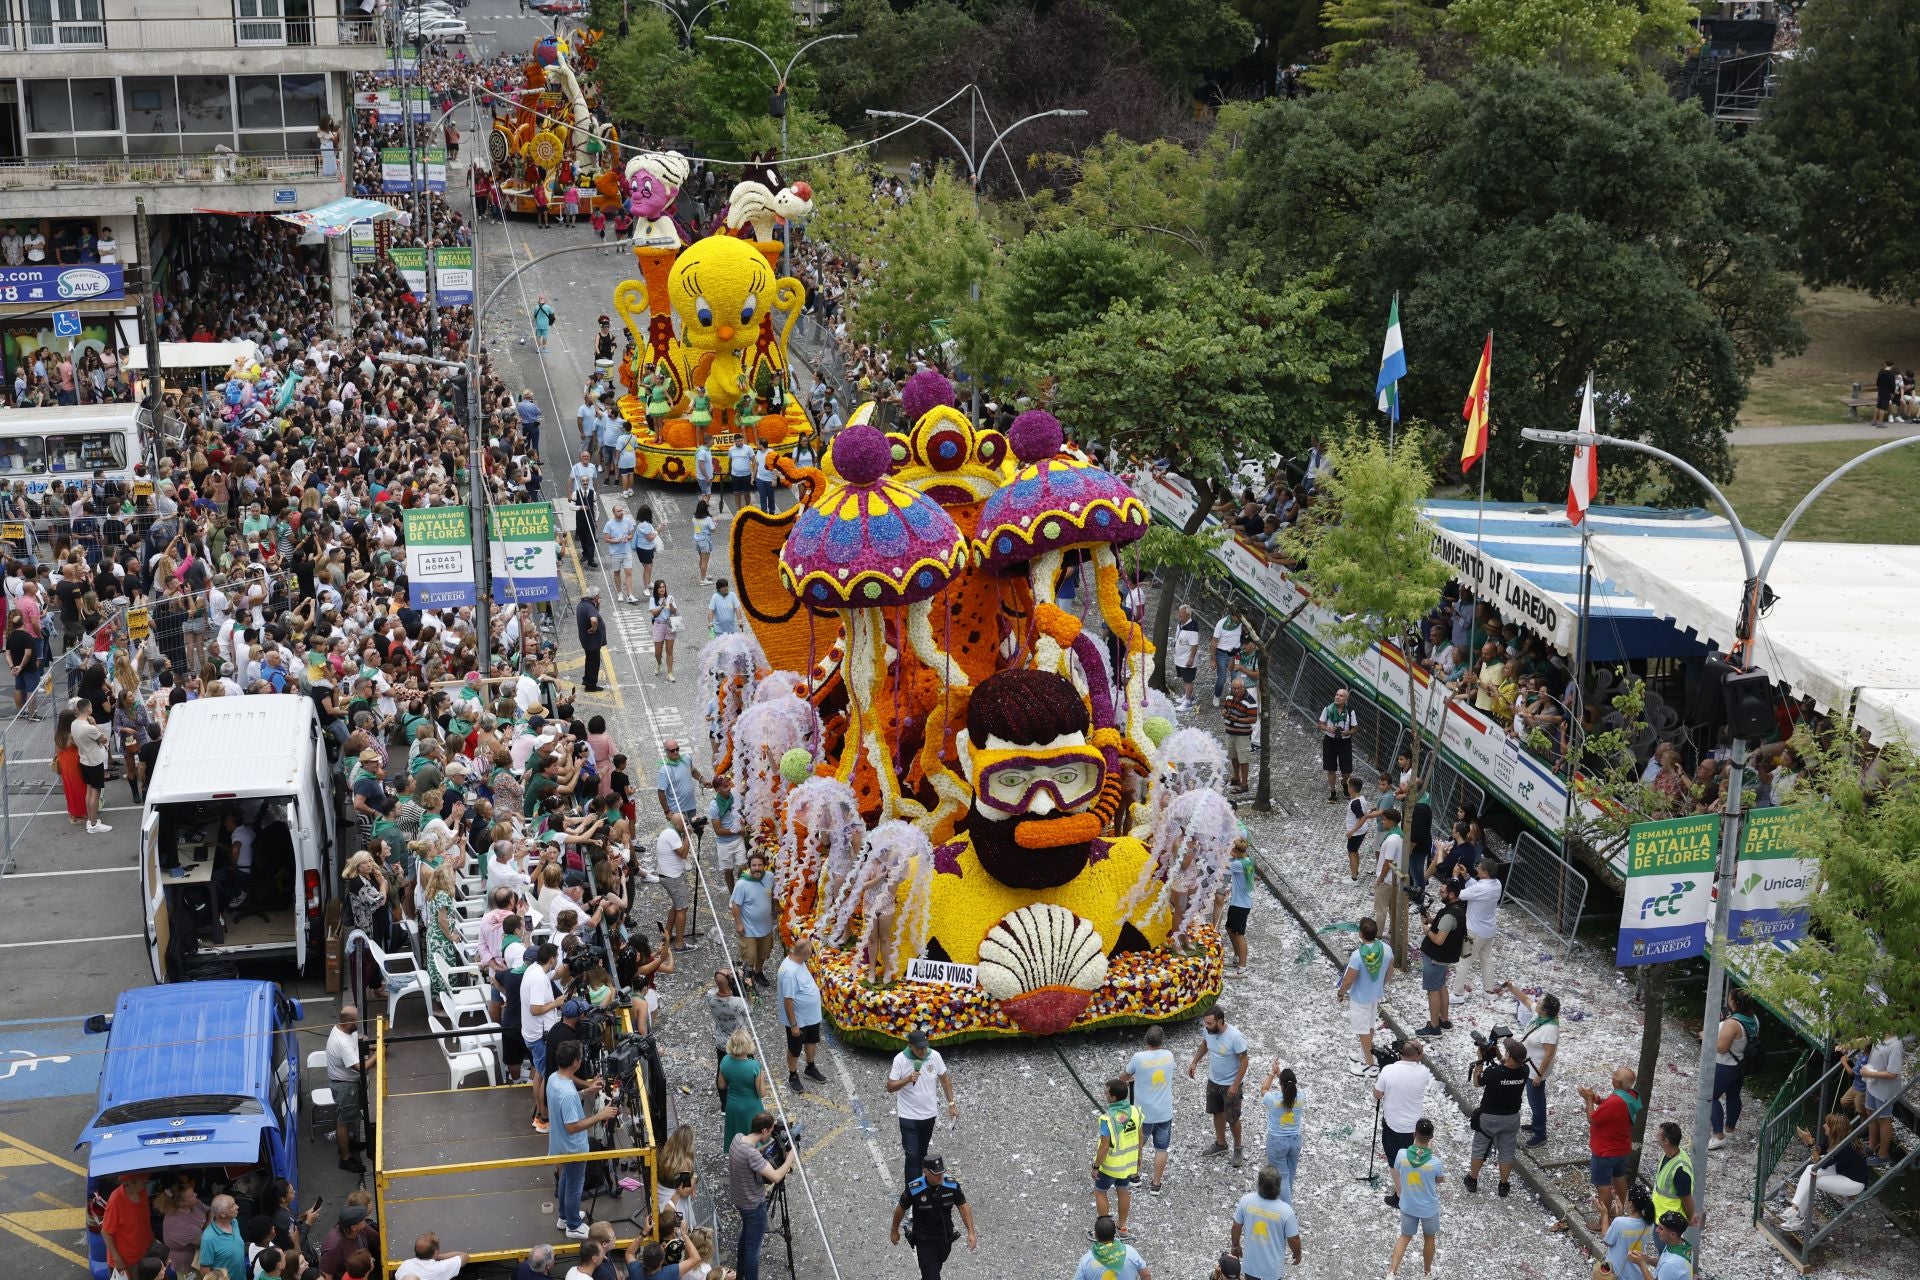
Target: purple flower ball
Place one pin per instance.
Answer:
(861, 455)
(925, 390)
(1034, 435)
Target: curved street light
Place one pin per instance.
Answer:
(1746, 620)
(687, 24)
(974, 172)
(780, 90)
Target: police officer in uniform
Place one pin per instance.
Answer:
(933, 1197)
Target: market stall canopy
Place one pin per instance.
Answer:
(336, 216)
(1524, 559)
(193, 355)
(1840, 631)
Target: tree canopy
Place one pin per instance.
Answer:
(1848, 116)
(1223, 369)
(1590, 224)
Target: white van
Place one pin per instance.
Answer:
(243, 776)
(70, 444)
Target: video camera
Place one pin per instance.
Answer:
(784, 1138)
(1487, 1044)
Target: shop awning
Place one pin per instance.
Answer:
(334, 217)
(192, 355)
(1840, 631)
(1524, 559)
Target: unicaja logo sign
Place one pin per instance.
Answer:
(83, 282)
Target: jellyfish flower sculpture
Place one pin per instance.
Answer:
(1057, 505)
(861, 916)
(729, 666)
(1187, 869)
(1188, 760)
(867, 544)
(818, 849)
(762, 738)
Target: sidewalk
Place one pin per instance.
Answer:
(1302, 849)
(1740, 437)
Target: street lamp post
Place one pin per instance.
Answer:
(686, 24)
(476, 441)
(975, 171)
(1746, 619)
(780, 89)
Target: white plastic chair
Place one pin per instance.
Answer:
(401, 975)
(466, 990)
(464, 1057)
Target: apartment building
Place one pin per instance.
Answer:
(191, 105)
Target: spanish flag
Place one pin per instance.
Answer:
(1474, 447)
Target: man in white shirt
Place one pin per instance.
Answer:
(1482, 896)
(343, 1077)
(507, 869)
(429, 1263)
(539, 1010)
(1388, 908)
(1226, 643)
(1186, 655)
(669, 859)
(911, 1080)
(1401, 1090)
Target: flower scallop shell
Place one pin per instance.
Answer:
(1041, 945)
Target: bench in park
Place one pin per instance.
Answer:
(1855, 403)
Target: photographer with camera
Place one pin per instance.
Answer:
(1446, 934)
(571, 1122)
(1501, 1072)
(1542, 1038)
(749, 1175)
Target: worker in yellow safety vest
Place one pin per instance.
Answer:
(1116, 1161)
(1673, 1184)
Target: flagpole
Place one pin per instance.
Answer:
(1393, 419)
(1480, 519)
(1577, 713)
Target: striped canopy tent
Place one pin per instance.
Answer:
(1524, 559)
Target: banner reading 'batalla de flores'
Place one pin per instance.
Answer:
(439, 558)
(523, 552)
(1669, 891)
(1773, 879)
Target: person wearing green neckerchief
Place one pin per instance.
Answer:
(1111, 1258)
(1116, 1159)
(1361, 986)
(1610, 1121)
(1676, 1255)
(1418, 1172)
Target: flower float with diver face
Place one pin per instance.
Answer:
(990, 842)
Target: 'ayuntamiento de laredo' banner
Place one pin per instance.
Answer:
(1773, 879)
(1669, 893)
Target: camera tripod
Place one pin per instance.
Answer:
(778, 1214)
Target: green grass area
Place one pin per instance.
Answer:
(1874, 504)
(1849, 334)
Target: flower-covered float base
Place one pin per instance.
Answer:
(1142, 987)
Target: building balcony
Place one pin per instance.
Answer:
(247, 182)
(50, 45)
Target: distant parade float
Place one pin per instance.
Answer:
(707, 324)
(985, 830)
(552, 139)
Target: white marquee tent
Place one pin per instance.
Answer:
(1841, 632)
